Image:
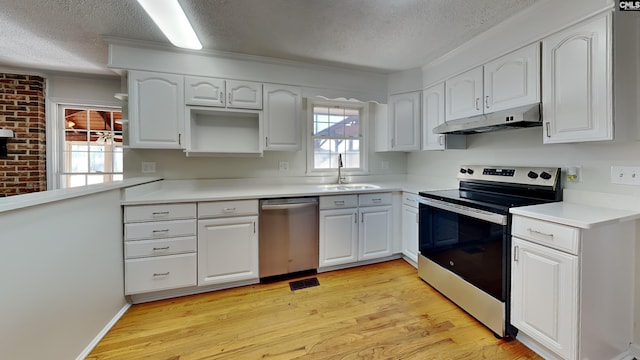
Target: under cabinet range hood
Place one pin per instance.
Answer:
(520, 117)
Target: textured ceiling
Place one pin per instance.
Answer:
(377, 35)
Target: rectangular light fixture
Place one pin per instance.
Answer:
(172, 21)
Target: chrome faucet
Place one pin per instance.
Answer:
(340, 166)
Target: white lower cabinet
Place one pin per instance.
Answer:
(227, 250)
(410, 226)
(159, 254)
(227, 242)
(570, 293)
(355, 228)
(545, 292)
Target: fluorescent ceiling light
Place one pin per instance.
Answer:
(170, 18)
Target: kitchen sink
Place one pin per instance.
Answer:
(336, 187)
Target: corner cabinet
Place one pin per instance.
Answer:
(156, 110)
(570, 297)
(404, 121)
(282, 117)
(577, 87)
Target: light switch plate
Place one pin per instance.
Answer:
(148, 167)
(625, 175)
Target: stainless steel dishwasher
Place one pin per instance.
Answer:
(288, 235)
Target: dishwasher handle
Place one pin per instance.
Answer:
(287, 206)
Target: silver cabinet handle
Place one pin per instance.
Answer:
(440, 140)
(486, 101)
(228, 210)
(477, 102)
(230, 98)
(161, 274)
(539, 232)
(338, 202)
(362, 217)
(161, 248)
(160, 231)
(221, 97)
(515, 253)
(355, 218)
(547, 126)
(159, 213)
(376, 200)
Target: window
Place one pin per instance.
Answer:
(336, 129)
(91, 146)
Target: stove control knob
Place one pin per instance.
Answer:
(545, 175)
(532, 175)
(470, 171)
(463, 171)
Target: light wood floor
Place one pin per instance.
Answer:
(381, 311)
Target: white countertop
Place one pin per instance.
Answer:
(575, 214)
(236, 189)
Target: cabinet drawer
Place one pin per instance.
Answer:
(227, 208)
(159, 229)
(410, 199)
(338, 201)
(159, 273)
(374, 199)
(557, 236)
(158, 212)
(147, 248)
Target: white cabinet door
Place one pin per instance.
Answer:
(244, 94)
(410, 232)
(544, 296)
(282, 117)
(432, 116)
(512, 80)
(463, 95)
(338, 237)
(577, 84)
(375, 232)
(156, 110)
(204, 91)
(404, 121)
(227, 250)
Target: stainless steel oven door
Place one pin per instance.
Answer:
(469, 242)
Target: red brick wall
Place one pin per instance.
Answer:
(22, 110)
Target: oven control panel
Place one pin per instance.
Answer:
(511, 174)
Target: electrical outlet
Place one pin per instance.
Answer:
(574, 174)
(625, 175)
(148, 167)
(283, 166)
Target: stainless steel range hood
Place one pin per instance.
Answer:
(523, 116)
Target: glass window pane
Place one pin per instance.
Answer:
(96, 163)
(117, 160)
(117, 177)
(78, 161)
(76, 180)
(95, 179)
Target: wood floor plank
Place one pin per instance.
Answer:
(381, 311)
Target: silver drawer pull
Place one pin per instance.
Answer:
(229, 209)
(161, 274)
(340, 202)
(161, 248)
(409, 199)
(376, 200)
(160, 231)
(158, 213)
(539, 232)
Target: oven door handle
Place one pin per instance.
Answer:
(465, 210)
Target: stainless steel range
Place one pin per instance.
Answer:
(465, 241)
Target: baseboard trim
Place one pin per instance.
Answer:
(87, 350)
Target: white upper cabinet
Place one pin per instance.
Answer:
(577, 86)
(204, 91)
(512, 80)
(156, 110)
(404, 121)
(282, 117)
(244, 94)
(432, 116)
(464, 95)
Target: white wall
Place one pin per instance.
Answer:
(62, 276)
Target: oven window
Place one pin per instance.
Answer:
(471, 248)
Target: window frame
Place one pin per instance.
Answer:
(363, 108)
